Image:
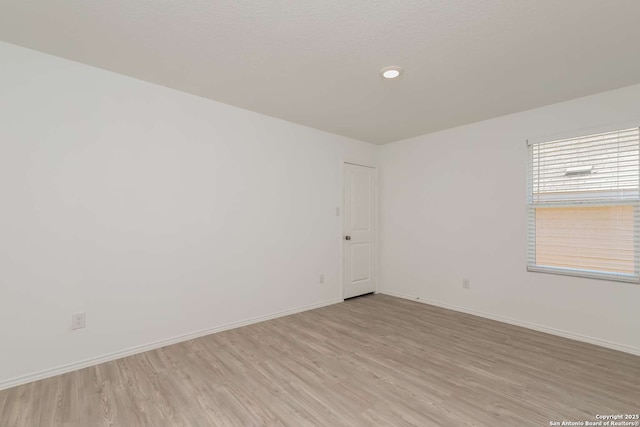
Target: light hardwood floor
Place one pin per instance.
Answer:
(371, 361)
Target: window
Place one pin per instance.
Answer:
(583, 203)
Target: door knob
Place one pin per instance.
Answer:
(347, 237)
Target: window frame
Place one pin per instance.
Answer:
(532, 206)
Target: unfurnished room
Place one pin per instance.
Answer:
(319, 213)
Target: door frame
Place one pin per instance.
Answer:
(374, 273)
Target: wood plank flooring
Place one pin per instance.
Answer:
(371, 361)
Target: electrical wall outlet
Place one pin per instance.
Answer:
(321, 278)
(466, 284)
(78, 320)
(338, 211)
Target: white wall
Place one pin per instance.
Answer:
(157, 212)
(453, 206)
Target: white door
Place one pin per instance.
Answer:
(359, 230)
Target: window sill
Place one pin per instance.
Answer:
(589, 274)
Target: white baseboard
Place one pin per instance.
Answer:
(47, 373)
(539, 328)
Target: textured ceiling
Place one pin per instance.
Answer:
(316, 62)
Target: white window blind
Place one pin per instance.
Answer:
(583, 205)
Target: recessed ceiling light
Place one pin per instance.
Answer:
(391, 72)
